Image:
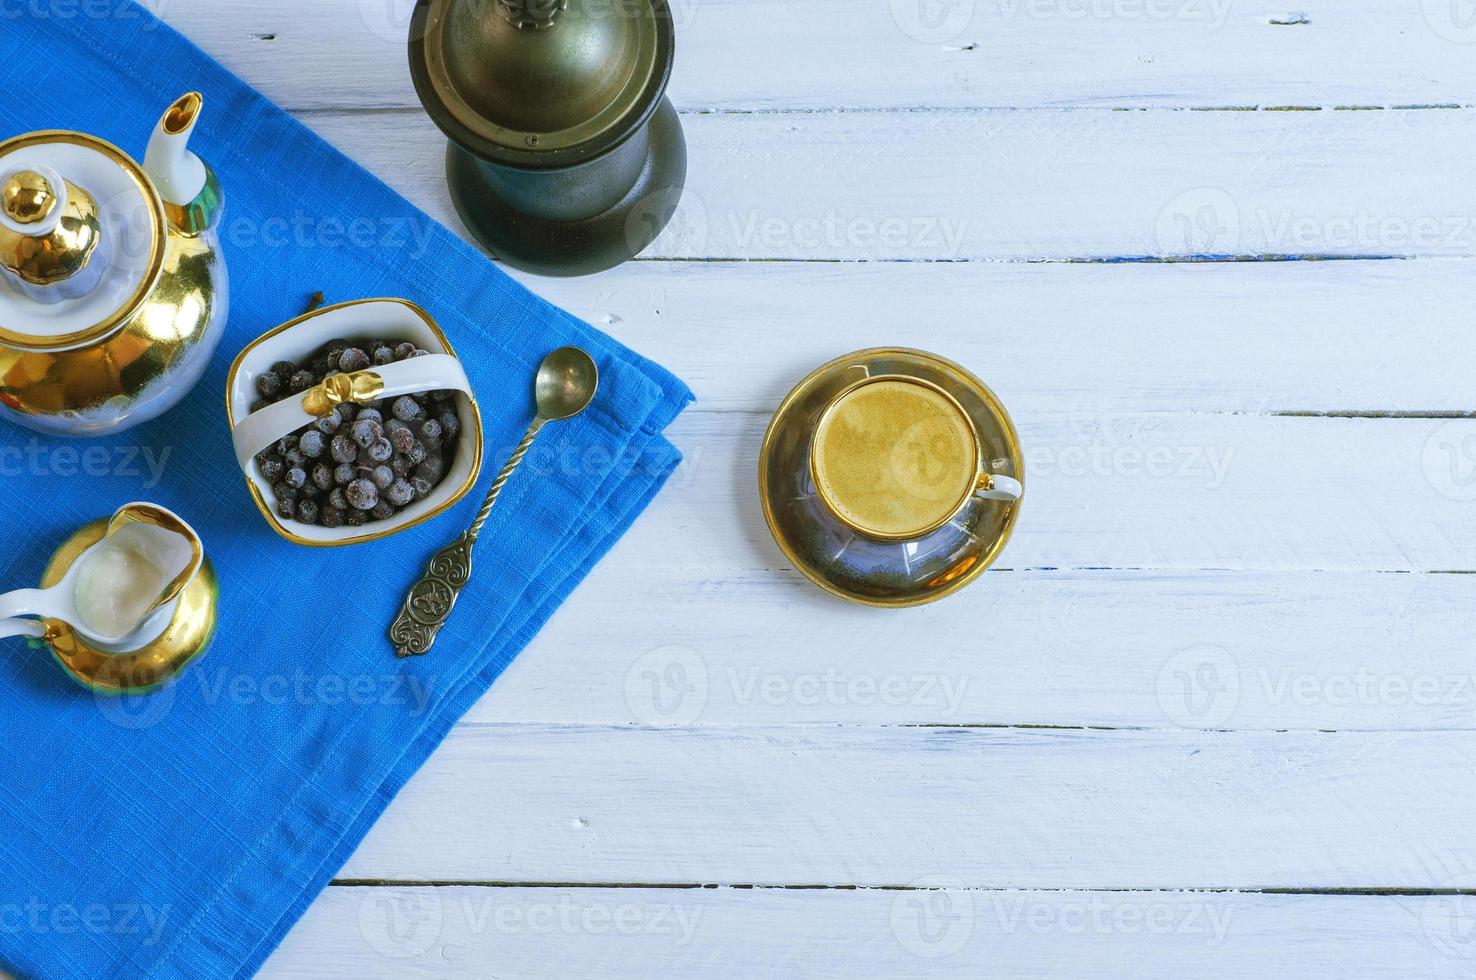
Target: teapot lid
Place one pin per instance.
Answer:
(541, 83)
(82, 240)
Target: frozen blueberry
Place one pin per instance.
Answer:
(383, 511)
(301, 381)
(328, 424)
(295, 457)
(355, 518)
(269, 386)
(430, 432)
(401, 465)
(405, 350)
(344, 449)
(284, 370)
(346, 412)
(323, 476)
(400, 493)
(312, 443)
(285, 491)
(331, 517)
(345, 473)
(367, 432)
(381, 450)
(402, 438)
(258, 405)
(421, 486)
(406, 408)
(416, 455)
(286, 508)
(296, 478)
(431, 470)
(353, 359)
(307, 512)
(382, 476)
(450, 424)
(272, 469)
(337, 498)
(362, 494)
(383, 355)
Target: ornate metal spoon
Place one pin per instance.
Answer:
(566, 384)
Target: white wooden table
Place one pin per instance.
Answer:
(1214, 716)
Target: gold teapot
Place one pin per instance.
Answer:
(113, 289)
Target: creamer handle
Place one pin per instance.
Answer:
(23, 602)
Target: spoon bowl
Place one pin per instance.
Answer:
(566, 383)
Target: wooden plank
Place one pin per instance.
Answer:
(1136, 491)
(1272, 651)
(1063, 338)
(884, 806)
(1000, 184)
(770, 54)
(366, 933)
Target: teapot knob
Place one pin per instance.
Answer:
(27, 198)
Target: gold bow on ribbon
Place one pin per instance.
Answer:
(361, 388)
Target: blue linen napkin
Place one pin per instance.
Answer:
(182, 835)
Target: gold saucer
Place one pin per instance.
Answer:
(185, 639)
(870, 570)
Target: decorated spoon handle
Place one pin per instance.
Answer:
(430, 602)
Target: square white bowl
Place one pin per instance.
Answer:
(371, 319)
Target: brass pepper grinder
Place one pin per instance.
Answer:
(566, 157)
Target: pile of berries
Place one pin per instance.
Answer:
(356, 464)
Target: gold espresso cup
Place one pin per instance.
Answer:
(896, 457)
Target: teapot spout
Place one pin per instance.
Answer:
(192, 196)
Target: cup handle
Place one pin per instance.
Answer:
(992, 487)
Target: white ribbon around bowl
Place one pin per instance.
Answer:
(433, 372)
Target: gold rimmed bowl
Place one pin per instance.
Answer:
(898, 528)
(374, 319)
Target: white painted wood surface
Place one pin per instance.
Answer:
(1262, 656)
